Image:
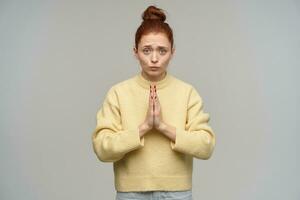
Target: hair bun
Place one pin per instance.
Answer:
(154, 13)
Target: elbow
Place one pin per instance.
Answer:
(207, 156)
(107, 159)
(207, 153)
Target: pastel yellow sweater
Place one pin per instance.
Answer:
(152, 162)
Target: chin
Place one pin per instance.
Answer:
(154, 71)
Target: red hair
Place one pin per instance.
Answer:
(153, 22)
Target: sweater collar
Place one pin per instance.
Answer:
(146, 83)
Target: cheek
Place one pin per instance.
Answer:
(143, 59)
(165, 60)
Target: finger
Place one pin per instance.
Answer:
(153, 89)
(156, 96)
(155, 92)
(151, 92)
(153, 105)
(157, 104)
(150, 98)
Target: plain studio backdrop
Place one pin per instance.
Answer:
(59, 58)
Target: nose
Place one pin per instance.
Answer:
(154, 58)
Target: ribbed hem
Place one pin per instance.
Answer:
(146, 83)
(163, 183)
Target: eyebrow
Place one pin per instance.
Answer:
(158, 46)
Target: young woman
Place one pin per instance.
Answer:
(152, 125)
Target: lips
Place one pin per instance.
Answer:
(154, 68)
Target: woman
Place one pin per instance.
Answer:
(152, 125)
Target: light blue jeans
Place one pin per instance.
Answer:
(155, 195)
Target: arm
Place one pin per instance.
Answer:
(110, 141)
(198, 138)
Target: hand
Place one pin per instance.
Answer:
(154, 116)
(149, 121)
(159, 124)
(157, 111)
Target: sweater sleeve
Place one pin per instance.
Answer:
(110, 141)
(198, 138)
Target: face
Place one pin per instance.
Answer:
(154, 53)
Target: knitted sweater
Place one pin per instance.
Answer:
(152, 162)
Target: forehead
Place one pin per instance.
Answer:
(155, 39)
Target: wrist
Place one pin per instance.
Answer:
(162, 126)
(143, 128)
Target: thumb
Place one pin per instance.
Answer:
(153, 104)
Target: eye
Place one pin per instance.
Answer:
(146, 51)
(163, 51)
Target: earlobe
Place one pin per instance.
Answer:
(135, 52)
(172, 52)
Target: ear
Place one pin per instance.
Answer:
(135, 52)
(173, 51)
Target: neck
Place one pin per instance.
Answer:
(144, 81)
(154, 79)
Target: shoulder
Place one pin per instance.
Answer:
(119, 86)
(190, 89)
(182, 84)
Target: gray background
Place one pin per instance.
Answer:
(59, 58)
